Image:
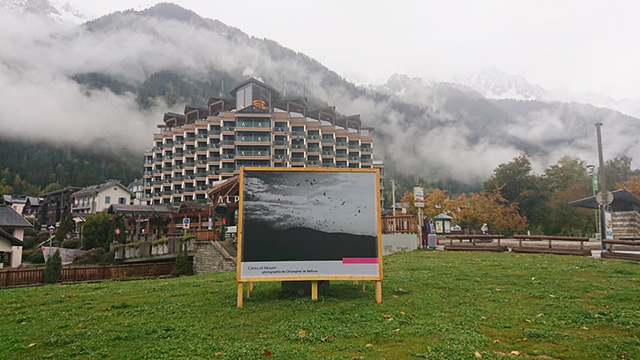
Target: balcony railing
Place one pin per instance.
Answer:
(190, 139)
(297, 146)
(214, 172)
(228, 142)
(253, 124)
(297, 134)
(297, 160)
(365, 160)
(328, 165)
(354, 158)
(189, 189)
(313, 150)
(178, 167)
(280, 129)
(201, 148)
(177, 178)
(203, 136)
(228, 128)
(313, 136)
(328, 141)
(279, 156)
(313, 162)
(365, 149)
(280, 143)
(342, 155)
(253, 138)
(228, 156)
(328, 152)
(341, 143)
(252, 153)
(355, 147)
(214, 146)
(214, 132)
(167, 146)
(227, 170)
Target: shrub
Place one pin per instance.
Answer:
(36, 257)
(163, 240)
(53, 268)
(95, 256)
(134, 244)
(188, 237)
(71, 243)
(183, 265)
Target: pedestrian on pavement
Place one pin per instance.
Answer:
(485, 229)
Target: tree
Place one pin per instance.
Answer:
(568, 180)
(618, 170)
(491, 208)
(517, 183)
(183, 265)
(437, 202)
(96, 231)
(408, 201)
(67, 225)
(632, 185)
(53, 268)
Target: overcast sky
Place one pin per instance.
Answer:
(586, 46)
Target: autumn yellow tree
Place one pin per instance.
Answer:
(632, 185)
(407, 198)
(491, 208)
(437, 202)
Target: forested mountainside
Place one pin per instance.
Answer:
(142, 63)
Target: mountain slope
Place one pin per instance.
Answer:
(109, 81)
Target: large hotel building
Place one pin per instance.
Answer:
(257, 128)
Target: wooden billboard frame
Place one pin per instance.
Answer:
(314, 279)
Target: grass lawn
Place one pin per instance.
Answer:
(444, 305)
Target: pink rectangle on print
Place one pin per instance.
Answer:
(360, 260)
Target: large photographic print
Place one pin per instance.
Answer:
(309, 224)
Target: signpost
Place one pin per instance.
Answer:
(301, 224)
(418, 195)
(186, 222)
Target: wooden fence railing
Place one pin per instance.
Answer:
(32, 276)
(399, 224)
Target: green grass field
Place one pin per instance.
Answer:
(445, 305)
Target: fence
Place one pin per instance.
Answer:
(399, 224)
(32, 276)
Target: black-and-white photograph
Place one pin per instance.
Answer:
(309, 216)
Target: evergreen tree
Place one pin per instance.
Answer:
(183, 265)
(53, 268)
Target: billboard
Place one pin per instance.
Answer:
(309, 224)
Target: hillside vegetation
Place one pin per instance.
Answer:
(436, 305)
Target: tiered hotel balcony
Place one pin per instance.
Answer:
(297, 161)
(253, 154)
(313, 150)
(227, 157)
(280, 130)
(280, 144)
(259, 140)
(228, 143)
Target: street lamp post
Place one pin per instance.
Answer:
(393, 197)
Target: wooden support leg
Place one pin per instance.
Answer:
(249, 288)
(240, 293)
(549, 244)
(379, 292)
(251, 285)
(314, 290)
(364, 286)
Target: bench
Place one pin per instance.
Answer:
(610, 254)
(550, 249)
(473, 245)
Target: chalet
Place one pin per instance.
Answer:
(12, 227)
(96, 198)
(55, 205)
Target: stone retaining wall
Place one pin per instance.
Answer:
(207, 259)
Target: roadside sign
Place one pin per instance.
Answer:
(419, 204)
(604, 197)
(185, 223)
(418, 194)
(608, 221)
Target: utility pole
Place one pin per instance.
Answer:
(594, 186)
(603, 185)
(393, 197)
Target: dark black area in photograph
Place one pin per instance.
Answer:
(262, 242)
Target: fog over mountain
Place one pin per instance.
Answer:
(107, 82)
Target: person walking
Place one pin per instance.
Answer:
(485, 229)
